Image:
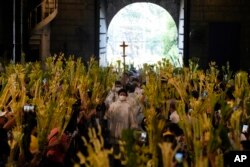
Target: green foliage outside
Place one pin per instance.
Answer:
(170, 43)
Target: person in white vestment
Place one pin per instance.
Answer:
(136, 102)
(113, 94)
(120, 116)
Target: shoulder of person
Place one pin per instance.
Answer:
(113, 105)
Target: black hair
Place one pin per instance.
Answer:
(118, 82)
(135, 80)
(72, 124)
(131, 88)
(246, 145)
(229, 93)
(5, 119)
(217, 106)
(89, 93)
(220, 77)
(126, 73)
(123, 90)
(195, 94)
(172, 104)
(174, 128)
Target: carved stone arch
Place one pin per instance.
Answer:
(172, 6)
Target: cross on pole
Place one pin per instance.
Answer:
(124, 55)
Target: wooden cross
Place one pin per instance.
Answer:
(124, 55)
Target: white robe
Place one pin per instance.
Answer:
(136, 106)
(120, 117)
(111, 98)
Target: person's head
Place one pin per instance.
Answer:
(118, 85)
(136, 82)
(172, 105)
(122, 93)
(229, 93)
(195, 94)
(220, 77)
(131, 88)
(3, 118)
(89, 93)
(125, 78)
(245, 145)
(174, 128)
(3, 121)
(169, 137)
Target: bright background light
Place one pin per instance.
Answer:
(150, 32)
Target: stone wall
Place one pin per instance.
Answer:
(204, 13)
(172, 6)
(74, 29)
(1, 30)
(6, 30)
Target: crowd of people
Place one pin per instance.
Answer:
(124, 108)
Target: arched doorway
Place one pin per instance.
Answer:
(150, 32)
(109, 9)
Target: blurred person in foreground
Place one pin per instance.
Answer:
(119, 117)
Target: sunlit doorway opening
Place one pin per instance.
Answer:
(150, 33)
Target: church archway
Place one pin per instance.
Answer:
(172, 6)
(150, 32)
(108, 11)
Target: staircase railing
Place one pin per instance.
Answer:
(43, 14)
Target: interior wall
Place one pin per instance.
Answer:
(172, 6)
(6, 30)
(73, 31)
(1, 30)
(205, 13)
